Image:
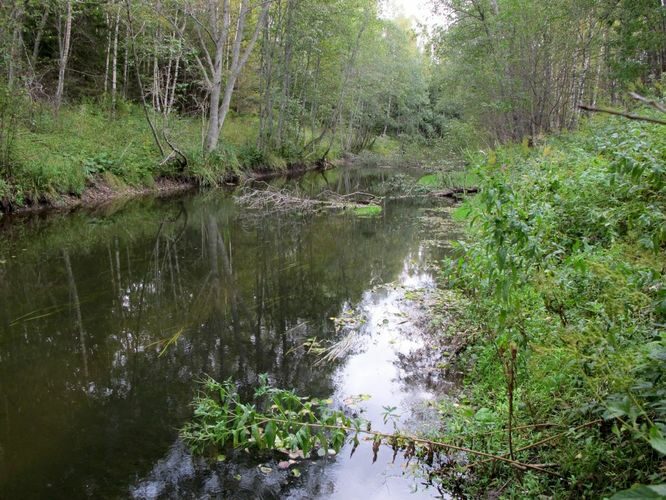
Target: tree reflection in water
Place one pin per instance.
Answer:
(110, 319)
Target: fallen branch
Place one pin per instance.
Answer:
(427, 442)
(284, 200)
(453, 193)
(540, 442)
(650, 102)
(175, 153)
(629, 116)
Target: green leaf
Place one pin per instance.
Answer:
(657, 440)
(257, 436)
(269, 434)
(485, 415)
(641, 491)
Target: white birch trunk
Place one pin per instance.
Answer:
(114, 69)
(64, 43)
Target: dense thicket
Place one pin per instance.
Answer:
(564, 269)
(519, 68)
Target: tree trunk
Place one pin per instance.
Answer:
(38, 37)
(126, 62)
(114, 66)
(107, 64)
(64, 43)
(138, 80)
(286, 78)
(219, 111)
(15, 47)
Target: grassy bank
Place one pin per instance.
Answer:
(564, 269)
(48, 157)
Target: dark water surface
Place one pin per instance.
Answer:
(109, 318)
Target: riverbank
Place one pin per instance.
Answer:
(99, 192)
(84, 157)
(563, 271)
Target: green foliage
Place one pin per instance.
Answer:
(565, 265)
(55, 157)
(500, 65)
(449, 179)
(251, 157)
(367, 211)
(640, 491)
(275, 419)
(211, 169)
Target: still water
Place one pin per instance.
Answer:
(109, 318)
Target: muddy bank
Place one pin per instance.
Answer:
(99, 192)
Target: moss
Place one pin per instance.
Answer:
(367, 211)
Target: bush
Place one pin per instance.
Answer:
(564, 263)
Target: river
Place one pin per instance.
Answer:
(109, 318)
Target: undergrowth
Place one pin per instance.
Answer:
(48, 156)
(564, 264)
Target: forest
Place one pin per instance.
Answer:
(213, 211)
(134, 91)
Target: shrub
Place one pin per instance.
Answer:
(564, 262)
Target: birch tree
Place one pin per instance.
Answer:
(220, 35)
(64, 47)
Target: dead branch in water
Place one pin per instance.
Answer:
(455, 192)
(272, 199)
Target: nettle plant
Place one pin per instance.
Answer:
(274, 419)
(280, 420)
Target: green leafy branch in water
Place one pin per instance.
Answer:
(278, 419)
